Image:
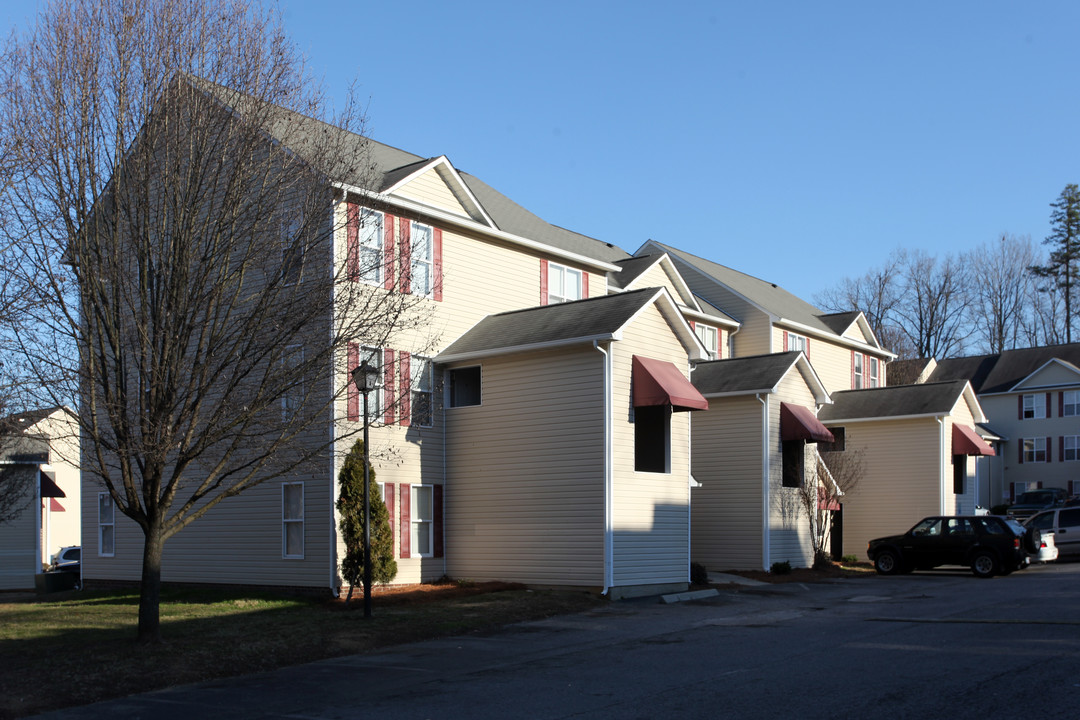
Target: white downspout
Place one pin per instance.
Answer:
(941, 465)
(609, 475)
(766, 550)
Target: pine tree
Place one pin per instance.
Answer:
(1064, 240)
(350, 506)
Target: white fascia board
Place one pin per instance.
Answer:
(1036, 371)
(472, 225)
(684, 289)
(839, 339)
(533, 347)
(690, 340)
(709, 319)
(821, 395)
(738, 393)
(977, 414)
(884, 418)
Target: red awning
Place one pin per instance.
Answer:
(657, 382)
(966, 441)
(49, 488)
(798, 423)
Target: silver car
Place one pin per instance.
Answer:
(1064, 523)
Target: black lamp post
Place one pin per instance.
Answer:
(367, 377)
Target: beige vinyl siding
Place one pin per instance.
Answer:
(18, 544)
(902, 481)
(1003, 418)
(430, 189)
(659, 276)
(963, 504)
(789, 530)
(726, 524)
(754, 335)
(62, 528)
(651, 510)
(525, 472)
(1049, 376)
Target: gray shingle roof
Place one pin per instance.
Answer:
(897, 401)
(999, 373)
(387, 165)
(632, 268)
(550, 324)
(839, 322)
(767, 295)
(742, 375)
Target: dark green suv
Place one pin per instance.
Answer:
(988, 544)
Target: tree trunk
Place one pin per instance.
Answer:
(150, 588)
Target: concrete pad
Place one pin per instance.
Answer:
(727, 579)
(690, 595)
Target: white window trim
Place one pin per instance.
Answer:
(418, 362)
(286, 521)
(859, 379)
(1038, 407)
(1075, 449)
(415, 261)
(709, 337)
(1035, 443)
(289, 239)
(802, 341)
(295, 391)
(103, 525)
(375, 356)
(1074, 406)
(873, 372)
(562, 272)
(376, 245)
(415, 522)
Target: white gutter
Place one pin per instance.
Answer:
(533, 347)
(609, 474)
(470, 224)
(837, 338)
(766, 550)
(941, 466)
(879, 418)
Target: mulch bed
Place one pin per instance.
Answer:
(419, 594)
(809, 575)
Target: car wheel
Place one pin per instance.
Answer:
(886, 562)
(984, 565)
(1033, 540)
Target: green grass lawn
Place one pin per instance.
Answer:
(75, 648)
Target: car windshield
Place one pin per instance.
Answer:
(930, 527)
(1043, 521)
(1035, 498)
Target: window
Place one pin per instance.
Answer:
(794, 463)
(1070, 447)
(798, 342)
(856, 371)
(421, 391)
(708, 337)
(1070, 403)
(422, 261)
(423, 542)
(652, 438)
(371, 245)
(292, 520)
(1034, 449)
(564, 284)
(873, 379)
(1069, 517)
(1034, 407)
(959, 526)
(292, 249)
(930, 527)
(292, 381)
(839, 441)
(959, 473)
(106, 526)
(372, 356)
(464, 387)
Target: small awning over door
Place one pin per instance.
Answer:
(657, 382)
(966, 441)
(798, 423)
(49, 488)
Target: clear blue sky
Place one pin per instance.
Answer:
(799, 142)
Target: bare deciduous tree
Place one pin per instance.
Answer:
(933, 308)
(174, 210)
(999, 284)
(836, 475)
(877, 294)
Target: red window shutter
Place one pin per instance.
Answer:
(352, 241)
(1019, 407)
(390, 501)
(406, 520)
(719, 344)
(405, 255)
(388, 251)
(436, 288)
(437, 518)
(807, 351)
(1048, 413)
(1049, 449)
(584, 284)
(388, 386)
(543, 282)
(785, 342)
(693, 325)
(852, 369)
(1021, 444)
(352, 401)
(405, 378)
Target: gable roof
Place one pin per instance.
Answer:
(841, 321)
(754, 374)
(387, 167)
(933, 399)
(1000, 373)
(570, 323)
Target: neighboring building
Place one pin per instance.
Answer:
(39, 450)
(919, 448)
(1031, 398)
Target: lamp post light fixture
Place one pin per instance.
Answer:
(367, 377)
